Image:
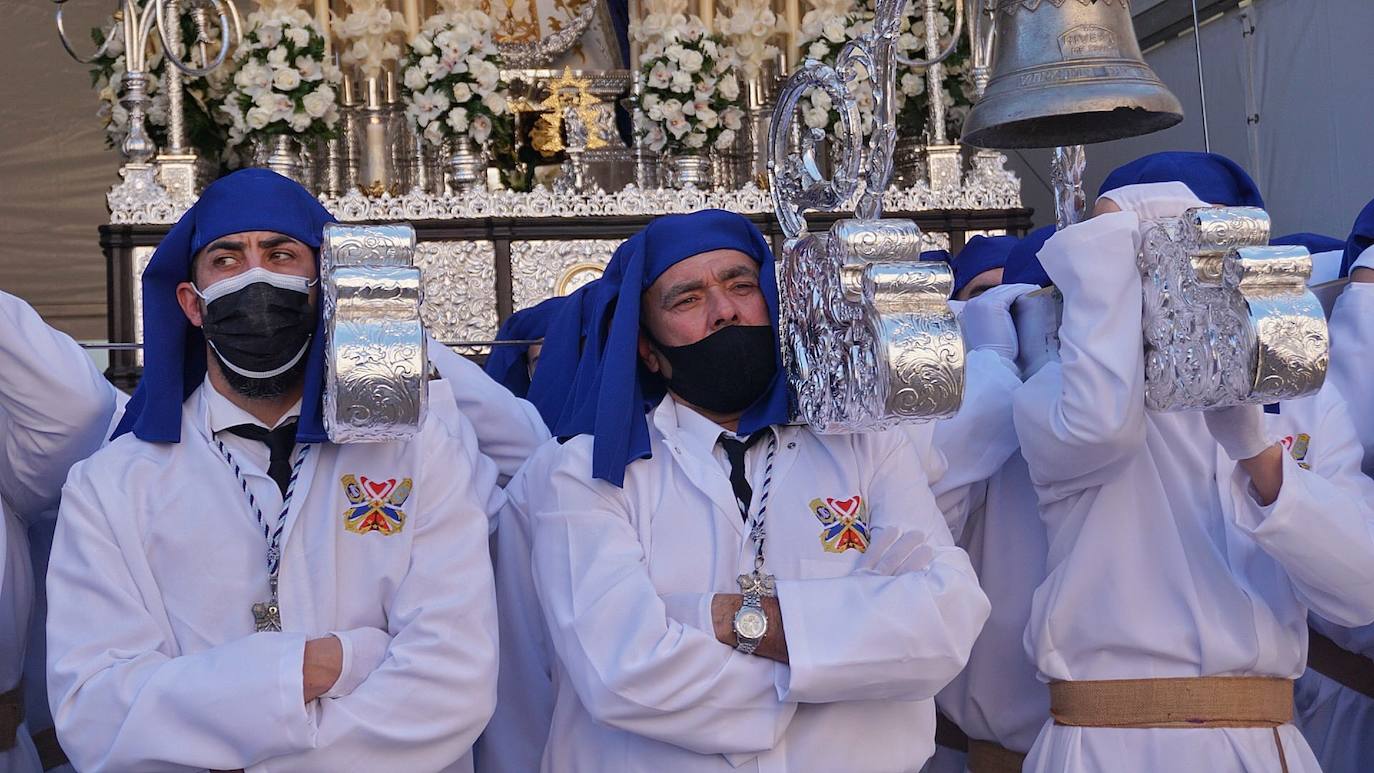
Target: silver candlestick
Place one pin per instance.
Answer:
(942, 158)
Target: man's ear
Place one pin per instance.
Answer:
(190, 303)
(648, 354)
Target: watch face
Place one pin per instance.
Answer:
(750, 623)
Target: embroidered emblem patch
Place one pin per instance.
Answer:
(1296, 445)
(844, 523)
(375, 505)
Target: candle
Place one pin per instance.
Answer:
(793, 14)
(411, 10)
(708, 14)
(322, 18)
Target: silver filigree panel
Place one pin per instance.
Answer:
(375, 365)
(460, 291)
(543, 269)
(867, 334)
(1228, 320)
(141, 257)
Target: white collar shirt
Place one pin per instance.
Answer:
(253, 456)
(625, 577)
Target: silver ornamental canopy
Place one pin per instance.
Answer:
(375, 364)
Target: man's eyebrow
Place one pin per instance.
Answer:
(224, 244)
(679, 289)
(277, 241)
(736, 271)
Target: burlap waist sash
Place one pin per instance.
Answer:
(988, 757)
(11, 716)
(1196, 702)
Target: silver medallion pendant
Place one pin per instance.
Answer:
(757, 584)
(267, 614)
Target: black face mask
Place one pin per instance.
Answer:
(725, 372)
(260, 331)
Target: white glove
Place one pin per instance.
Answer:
(364, 649)
(1152, 201)
(1239, 430)
(987, 320)
(891, 552)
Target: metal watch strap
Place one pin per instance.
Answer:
(747, 646)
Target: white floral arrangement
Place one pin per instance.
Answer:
(451, 79)
(282, 83)
(691, 89)
(201, 95)
(751, 27)
(373, 34)
(831, 23)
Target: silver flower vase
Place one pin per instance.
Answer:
(691, 170)
(282, 153)
(467, 164)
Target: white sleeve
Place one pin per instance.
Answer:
(54, 406)
(513, 741)
(977, 440)
(1352, 344)
(117, 698)
(508, 429)
(873, 637)
(633, 667)
(1078, 419)
(423, 708)
(1321, 527)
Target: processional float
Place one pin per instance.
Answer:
(868, 339)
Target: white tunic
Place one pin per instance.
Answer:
(153, 661)
(1339, 722)
(1153, 569)
(508, 428)
(54, 407)
(625, 578)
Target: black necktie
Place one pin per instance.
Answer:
(739, 481)
(280, 443)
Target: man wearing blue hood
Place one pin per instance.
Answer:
(1186, 549)
(724, 591)
(229, 590)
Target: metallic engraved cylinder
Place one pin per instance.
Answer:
(935, 76)
(171, 82)
(1066, 176)
(467, 167)
(376, 365)
(691, 170)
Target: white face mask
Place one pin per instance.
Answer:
(1365, 260)
(252, 276)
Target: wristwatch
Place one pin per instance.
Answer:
(750, 624)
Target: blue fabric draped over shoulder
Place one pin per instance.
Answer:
(1023, 264)
(1314, 243)
(1361, 238)
(1212, 177)
(596, 340)
(173, 348)
(507, 364)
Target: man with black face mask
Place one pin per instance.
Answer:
(229, 590)
(724, 591)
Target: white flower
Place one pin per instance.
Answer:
(815, 118)
(311, 70)
(682, 81)
(694, 140)
(317, 102)
(462, 92)
(691, 61)
(458, 119)
(277, 57)
(725, 140)
(833, 30)
(495, 102)
(487, 75)
(253, 75)
(818, 50)
(677, 125)
(706, 116)
(287, 79)
(480, 129)
(415, 79)
(658, 139)
(729, 87)
(675, 52)
(659, 76)
(299, 37)
(429, 104)
(299, 122)
(257, 118)
(428, 64)
(732, 118)
(269, 36)
(821, 99)
(434, 132)
(421, 45)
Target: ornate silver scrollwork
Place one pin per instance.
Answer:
(376, 365)
(1228, 319)
(867, 336)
